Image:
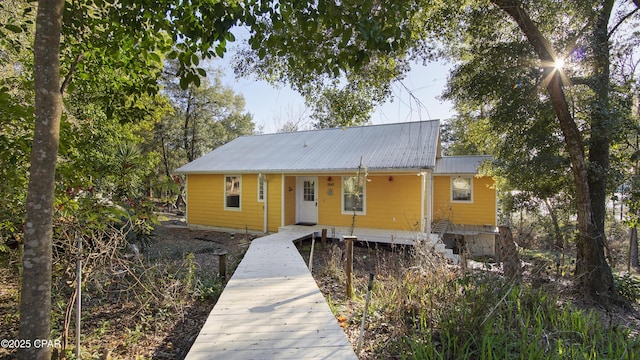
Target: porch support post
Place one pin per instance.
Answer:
(265, 193)
(282, 194)
(426, 197)
(429, 201)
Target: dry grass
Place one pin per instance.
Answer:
(421, 307)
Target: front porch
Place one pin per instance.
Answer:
(384, 236)
(395, 237)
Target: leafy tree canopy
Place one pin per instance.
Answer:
(341, 56)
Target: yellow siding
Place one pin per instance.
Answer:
(479, 212)
(204, 192)
(390, 204)
(205, 203)
(274, 202)
(289, 200)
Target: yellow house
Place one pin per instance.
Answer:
(390, 178)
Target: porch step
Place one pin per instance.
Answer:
(455, 259)
(440, 247)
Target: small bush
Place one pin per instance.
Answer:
(628, 286)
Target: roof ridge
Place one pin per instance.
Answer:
(344, 128)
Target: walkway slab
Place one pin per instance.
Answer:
(272, 308)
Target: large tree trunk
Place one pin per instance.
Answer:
(601, 122)
(592, 270)
(35, 297)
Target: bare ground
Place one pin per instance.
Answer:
(117, 326)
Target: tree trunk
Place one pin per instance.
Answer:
(592, 270)
(35, 297)
(633, 250)
(509, 254)
(559, 238)
(601, 121)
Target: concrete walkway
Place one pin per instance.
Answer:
(272, 308)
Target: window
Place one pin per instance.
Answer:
(353, 195)
(233, 192)
(462, 189)
(309, 190)
(260, 189)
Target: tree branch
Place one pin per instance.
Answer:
(72, 70)
(581, 80)
(637, 2)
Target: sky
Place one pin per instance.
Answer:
(273, 106)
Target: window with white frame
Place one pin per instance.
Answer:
(233, 192)
(462, 188)
(354, 195)
(260, 189)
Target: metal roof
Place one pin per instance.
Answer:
(405, 146)
(460, 164)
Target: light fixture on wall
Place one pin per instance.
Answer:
(390, 178)
(329, 178)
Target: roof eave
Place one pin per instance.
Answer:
(302, 171)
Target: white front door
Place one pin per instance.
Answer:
(307, 199)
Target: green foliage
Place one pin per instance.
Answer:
(7, 230)
(16, 111)
(208, 288)
(335, 54)
(336, 107)
(203, 118)
(628, 286)
(508, 106)
(485, 318)
(128, 42)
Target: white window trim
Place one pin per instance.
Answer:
(451, 189)
(260, 187)
(364, 197)
(224, 189)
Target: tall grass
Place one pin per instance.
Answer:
(435, 313)
(484, 317)
(423, 309)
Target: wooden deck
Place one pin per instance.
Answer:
(272, 308)
(385, 236)
(397, 237)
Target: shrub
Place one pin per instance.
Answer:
(628, 286)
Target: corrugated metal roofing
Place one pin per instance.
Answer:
(400, 146)
(460, 164)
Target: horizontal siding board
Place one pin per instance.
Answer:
(480, 212)
(393, 202)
